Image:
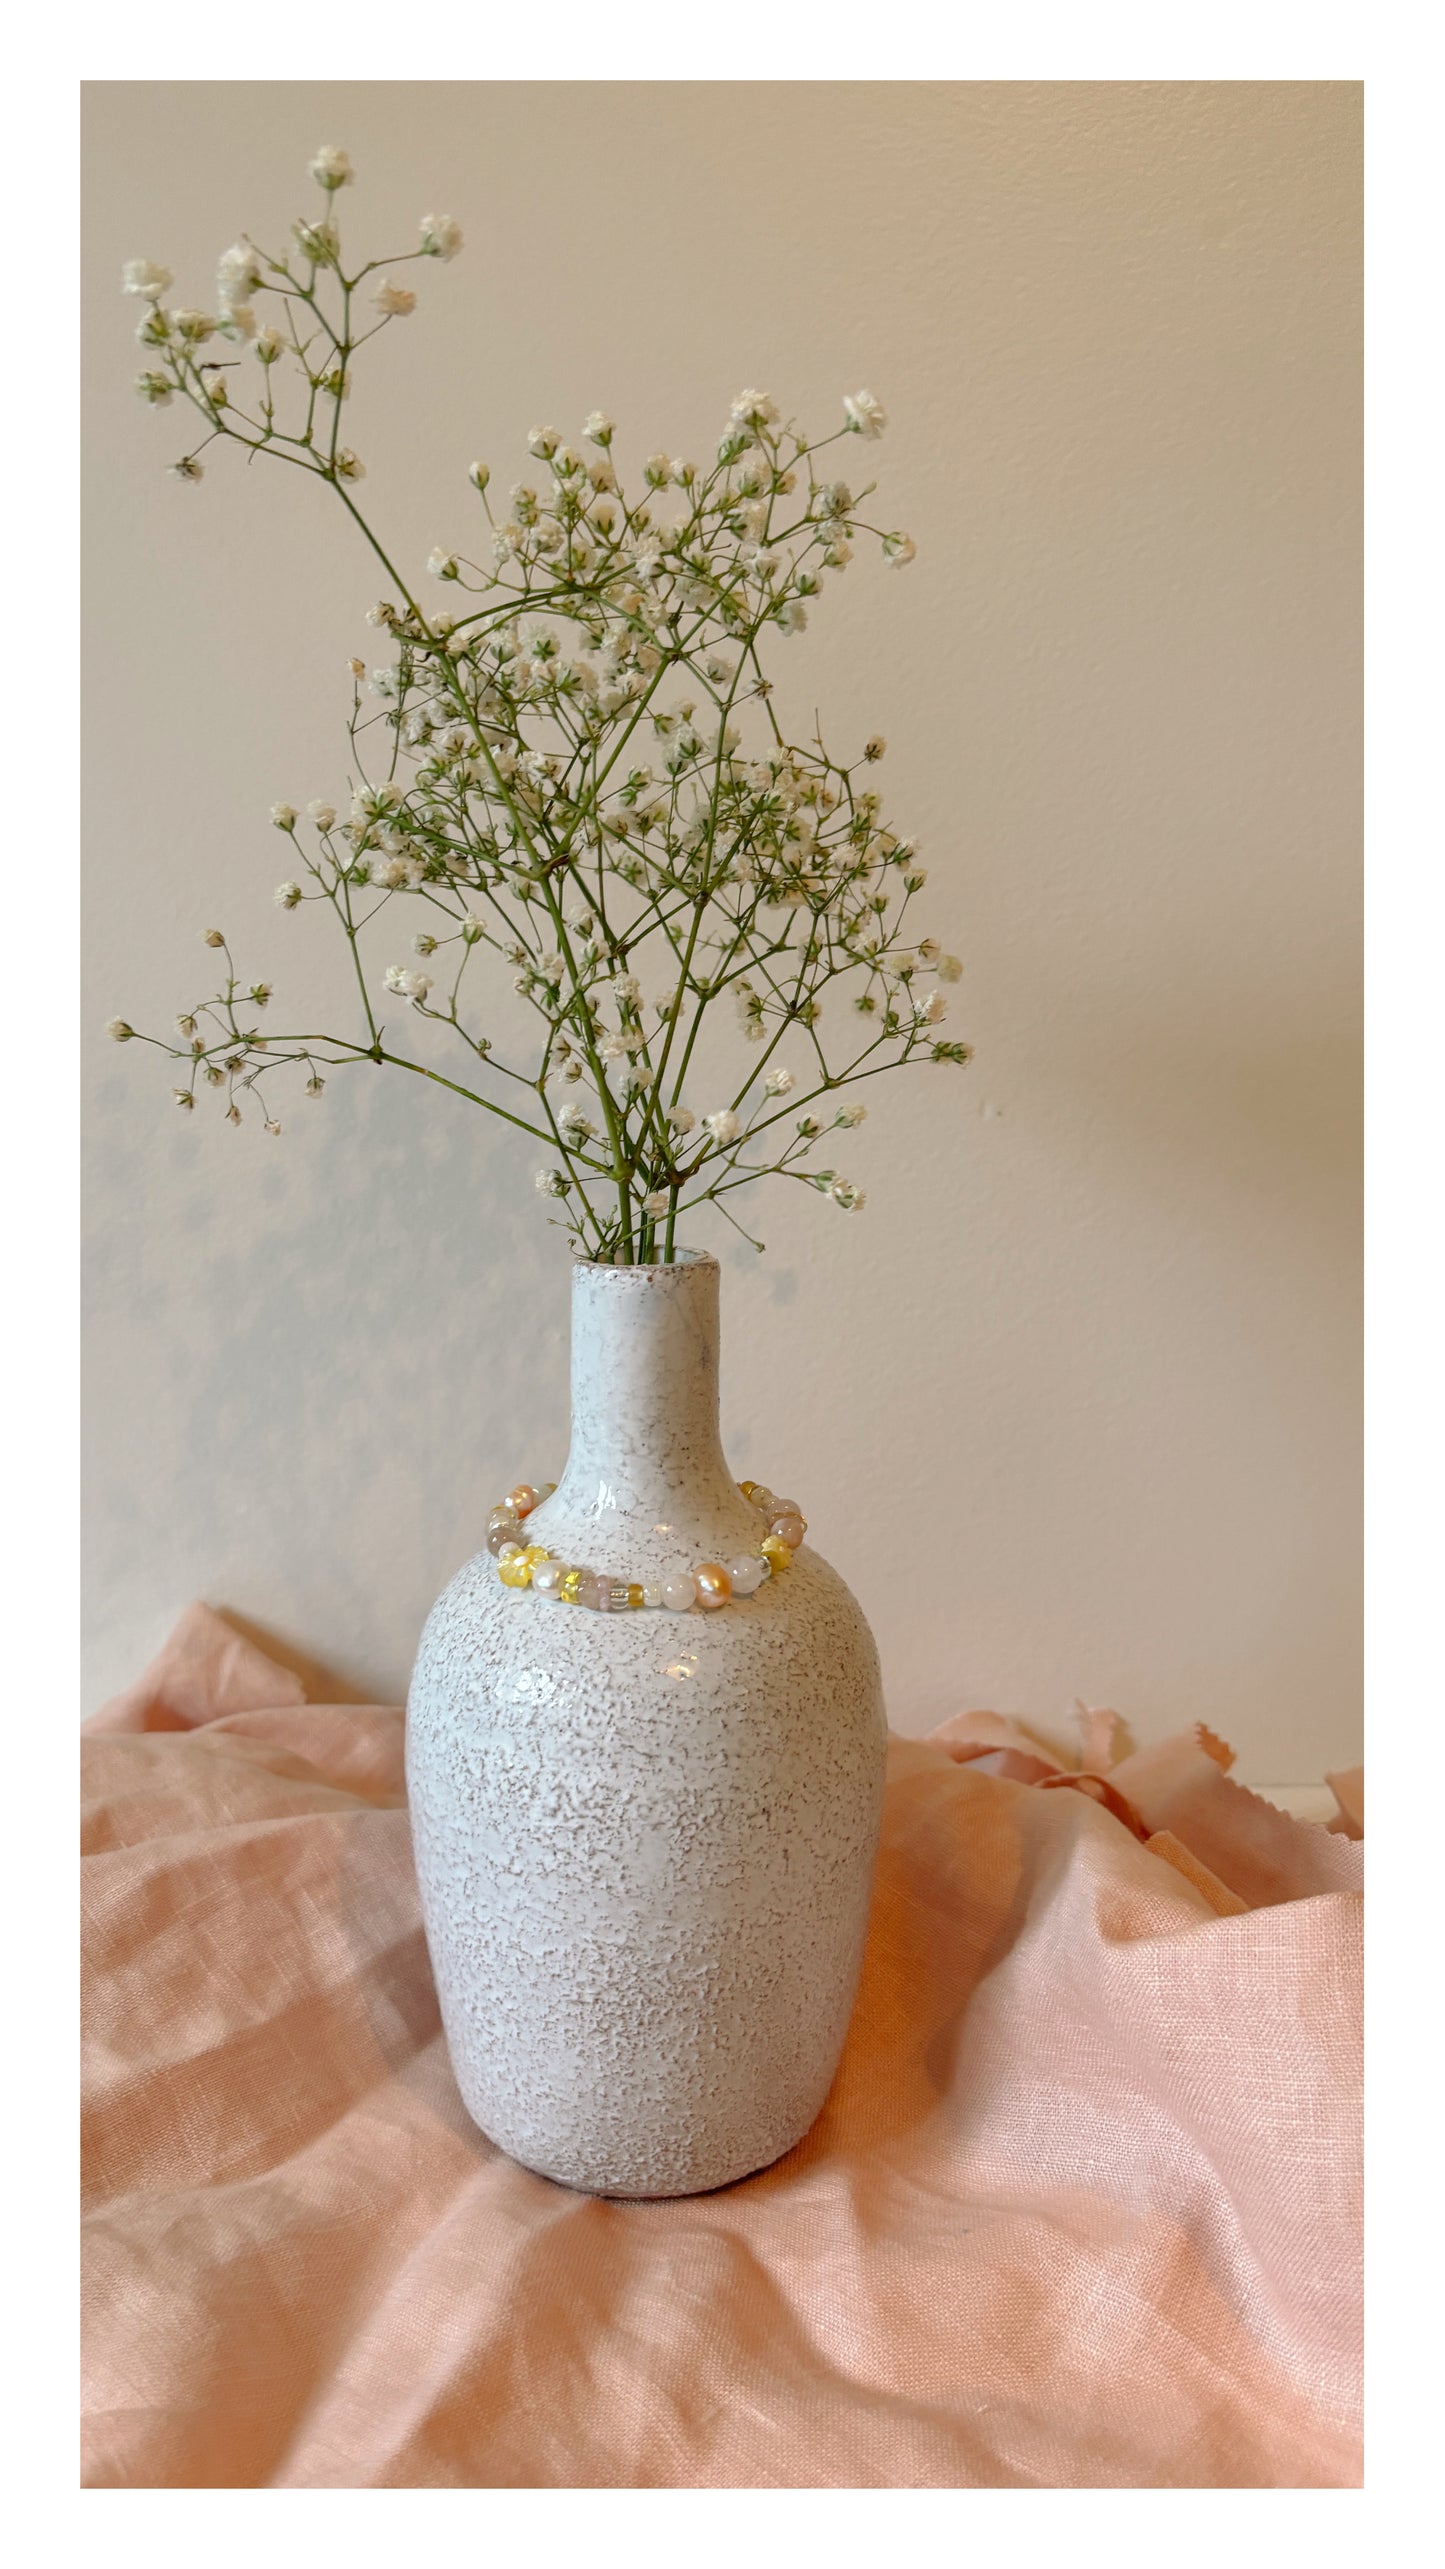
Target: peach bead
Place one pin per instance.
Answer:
(522, 1499)
(714, 1587)
(789, 1530)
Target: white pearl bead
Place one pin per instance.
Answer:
(547, 1580)
(747, 1574)
(652, 1592)
(680, 1593)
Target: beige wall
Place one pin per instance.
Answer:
(1073, 1407)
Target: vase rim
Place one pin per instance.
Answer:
(683, 1261)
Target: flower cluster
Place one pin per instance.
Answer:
(571, 772)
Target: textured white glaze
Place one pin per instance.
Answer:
(645, 1841)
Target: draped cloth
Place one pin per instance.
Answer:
(1082, 2209)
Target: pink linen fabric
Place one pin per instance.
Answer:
(1082, 2209)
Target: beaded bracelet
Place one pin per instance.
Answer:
(708, 1584)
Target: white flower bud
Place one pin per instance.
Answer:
(441, 238)
(865, 414)
(118, 1031)
(331, 168)
(286, 895)
(282, 816)
(144, 276)
(393, 302)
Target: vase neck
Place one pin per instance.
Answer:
(646, 1480)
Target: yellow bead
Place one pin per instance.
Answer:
(515, 1571)
(634, 1593)
(747, 1488)
(570, 1586)
(534, 1552)
(775, 1550)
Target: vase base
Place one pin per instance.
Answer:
(624, 2193)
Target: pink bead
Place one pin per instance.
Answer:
(789, 1528)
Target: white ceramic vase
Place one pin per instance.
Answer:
(645, 1840)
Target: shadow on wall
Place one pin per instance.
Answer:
(369, 1223)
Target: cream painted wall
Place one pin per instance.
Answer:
(1073, 1407)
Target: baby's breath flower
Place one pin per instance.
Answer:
(349, 467)
(599, 428)
(479, 475)
(239, 271)
(332, 169)
(441, 564)
(282, 816)
(723, 1126)
(682, 1119)
(286, 895)
(424, 943)
(550, 1182)
(183, 1097)
(273, 1128)
(543, 443)
(269, 344)
(779, 1082)
(145, 276)
(188, 470)
(441, 238)
(260, 992)
(899, 550)
(949, 968)
(118, 1031)
(323, 814)
(411, 986)
(656, 1203)
(212, 937)
(315, 1084)
(865, 414)
(851, 1198)
(393, 302)
(185, 1025)
(873, 749)
(754, 410)
(930, 1011)
(156, 389)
